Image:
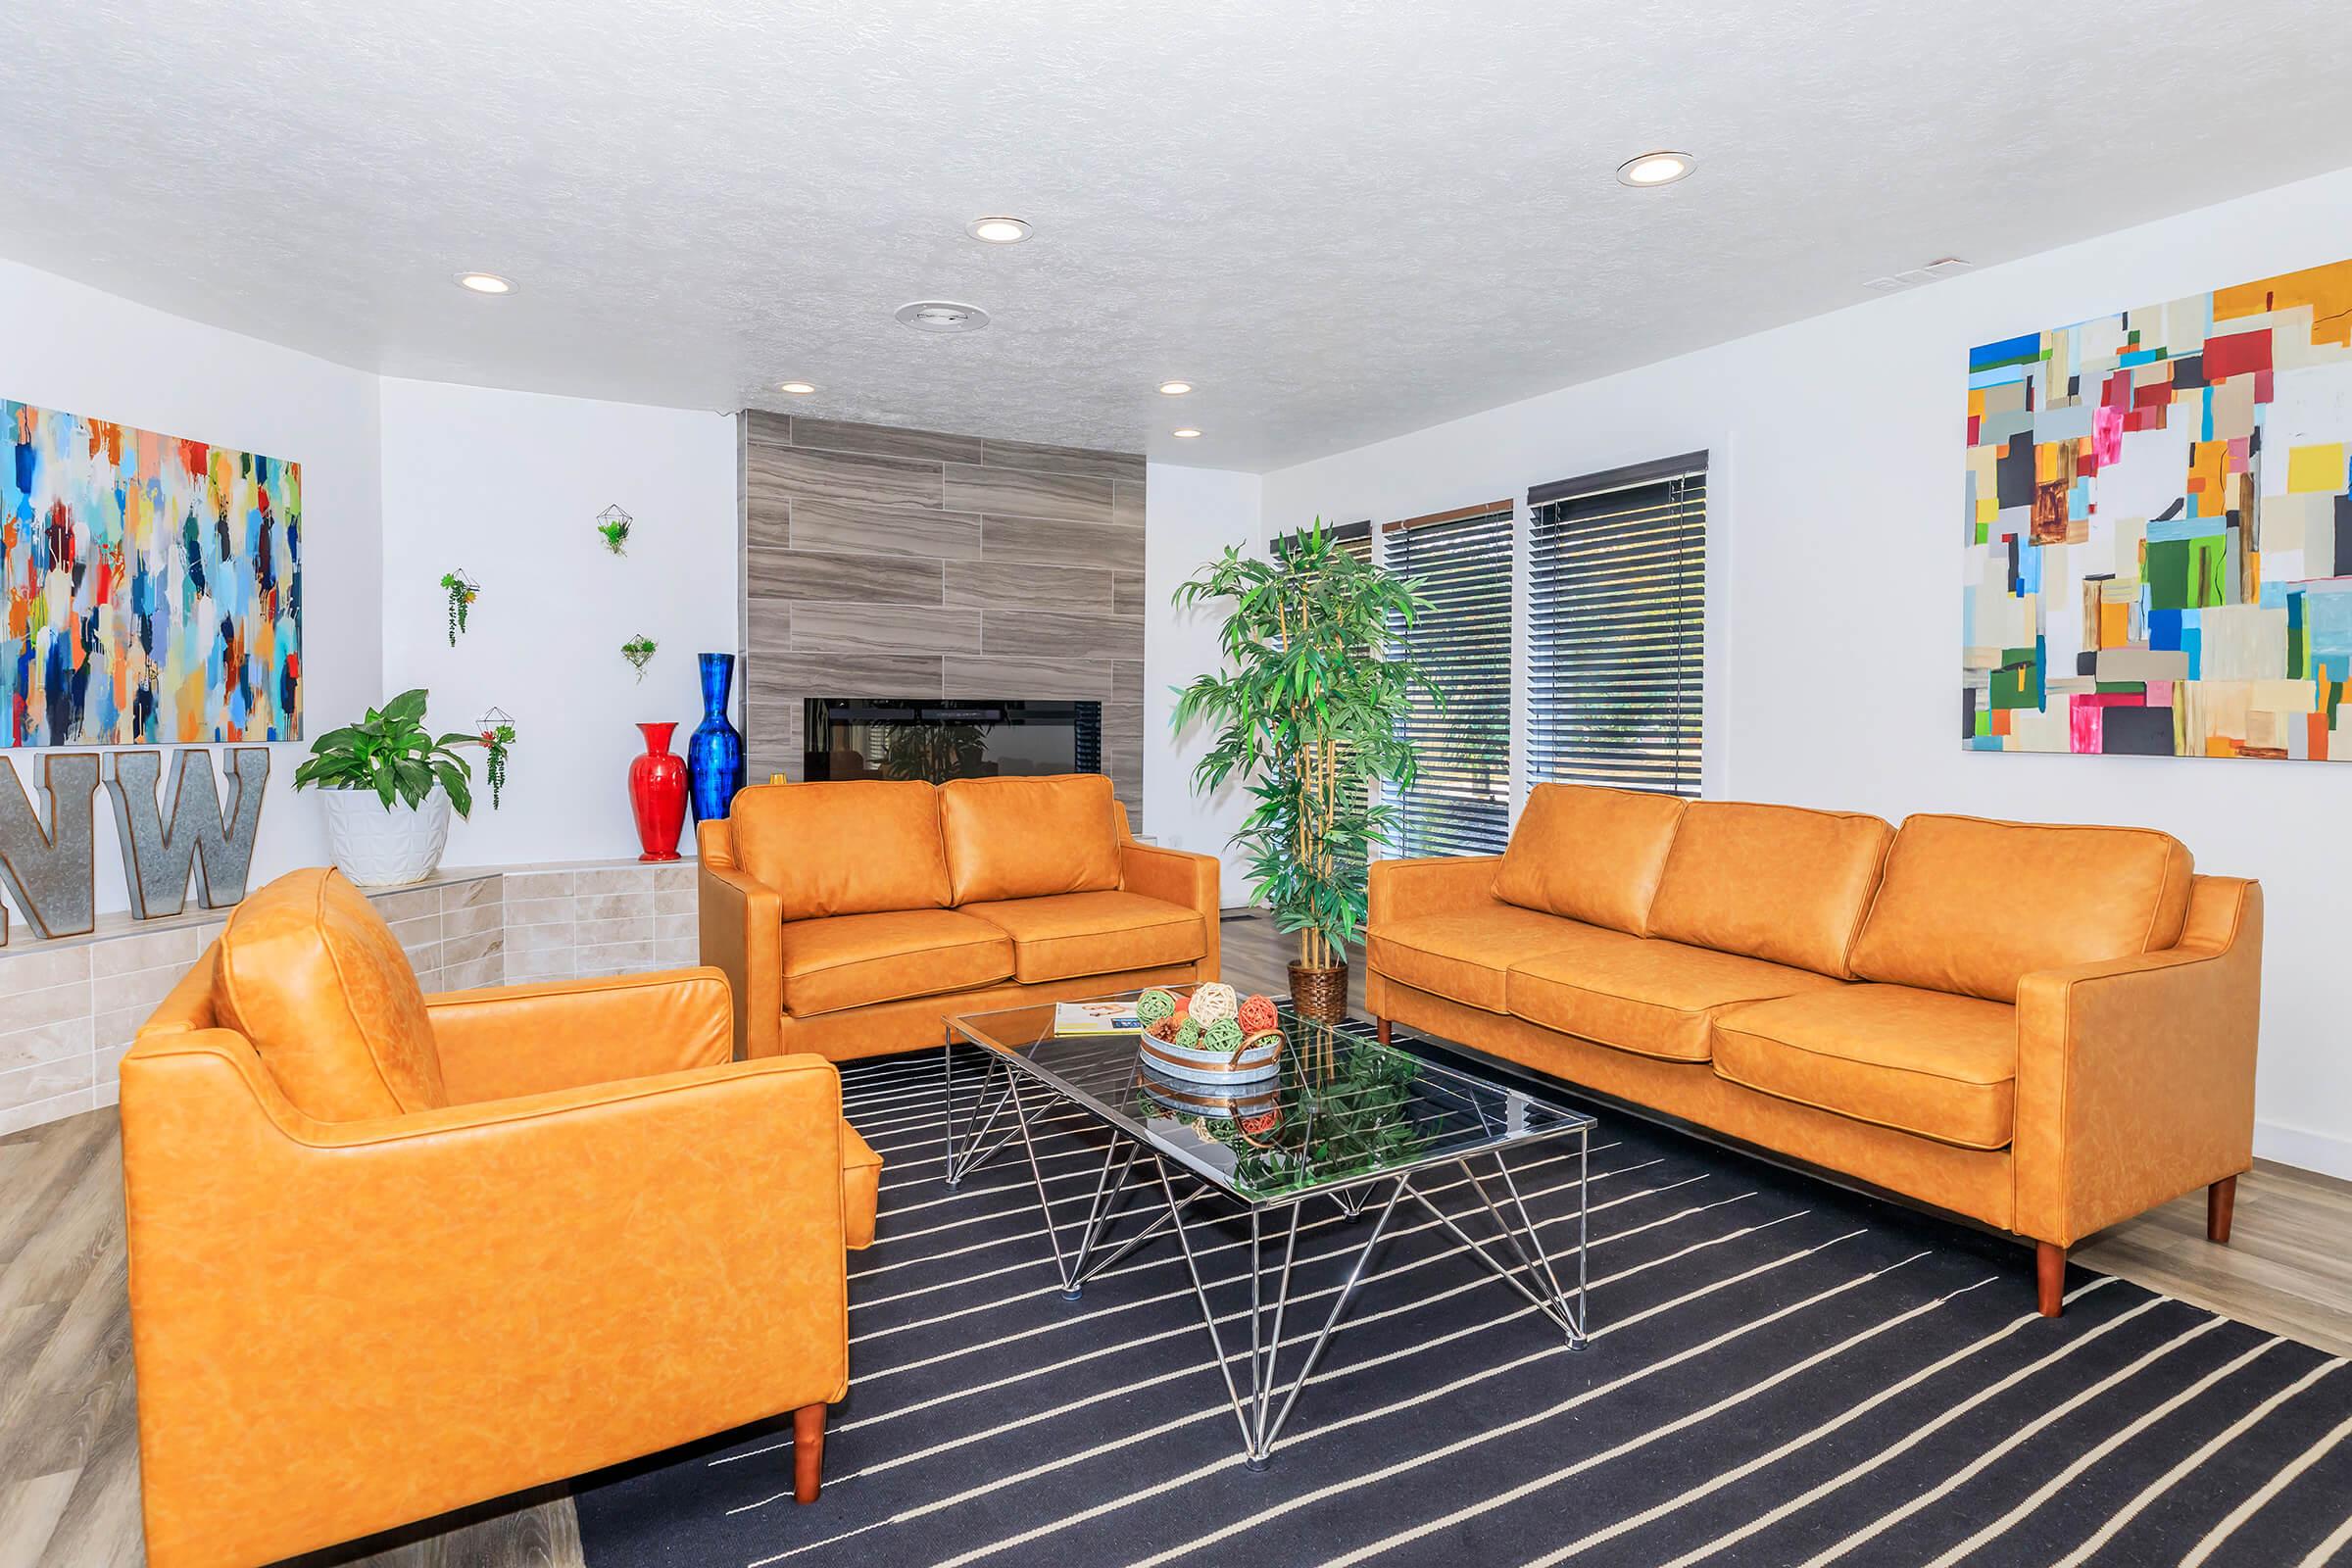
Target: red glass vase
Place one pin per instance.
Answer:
(657, 794)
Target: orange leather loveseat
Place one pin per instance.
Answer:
(854, 917)
(391, 1255)
(2048, 1029)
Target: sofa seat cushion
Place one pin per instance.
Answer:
(861, 1188)
(1466, 955)
(1929, 1062)
(851, 960)
(1658, 998)
(1071, 934)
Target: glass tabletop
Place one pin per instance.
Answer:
(1340, 1109)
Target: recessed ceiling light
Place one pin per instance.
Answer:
(942, 316)
(1174, 389)
(485, 283)
(1188, 433)
(997, 230)
(799, 389)
(1655, 168)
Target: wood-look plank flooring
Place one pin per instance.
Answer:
(68, 1452)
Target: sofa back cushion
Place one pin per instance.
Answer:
(1025, 838)
(844, 847)
(1775, 882)
(1589, 854)
(309, 973)
(1971, 907)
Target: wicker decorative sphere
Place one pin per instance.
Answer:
(1223, 1035)
(1258, 1015)
(1187, 1032)
(1213, 1002)
(1155, 1005)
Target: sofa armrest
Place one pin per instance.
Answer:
(526, 1039)
(741, 922)
(1439, 885)
(2136, 1077)
(341, 1326)
(1178, 877)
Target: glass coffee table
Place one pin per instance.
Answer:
(1344, 1118)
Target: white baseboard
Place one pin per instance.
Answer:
(2325, 1152)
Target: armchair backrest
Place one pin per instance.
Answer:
(309, 973)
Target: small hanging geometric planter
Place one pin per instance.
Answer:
(462, 591)
(497, 728)
(639, 651)
(614, 524)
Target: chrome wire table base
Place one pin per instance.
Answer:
(1264, 1395)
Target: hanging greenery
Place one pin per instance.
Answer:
(613, 525)
(462, 591)
(639, 651)
(1304, 711)
(498, 736)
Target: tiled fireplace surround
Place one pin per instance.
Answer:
(70, 1007)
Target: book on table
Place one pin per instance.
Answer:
(1097, 1019)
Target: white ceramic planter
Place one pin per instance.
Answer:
(379, 848)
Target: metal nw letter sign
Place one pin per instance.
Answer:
(48, 869)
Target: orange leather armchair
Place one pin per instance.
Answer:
(392, 1254)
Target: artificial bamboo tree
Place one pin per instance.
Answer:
(1304, 708)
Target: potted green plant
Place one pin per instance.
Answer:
(1304, 709)
(389, 786)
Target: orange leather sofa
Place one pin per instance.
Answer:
(854, 917)
(2046, 1029)
(391, 1255)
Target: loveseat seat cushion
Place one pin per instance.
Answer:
(1065, 935)
(1971, 905)
(851, 961)
(310, 974)
(1466, 955)
(1929, 1062)
(1775, 882)
(1654, 998)
(1589, 854)
(843, 846)
(1028, 838)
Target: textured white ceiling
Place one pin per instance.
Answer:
(1340, 220)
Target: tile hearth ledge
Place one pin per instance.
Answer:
(70, 1007)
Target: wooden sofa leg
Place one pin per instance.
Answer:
(1380, 1025)
(2221, 1206)
(807, 1452)
(2049, 1277)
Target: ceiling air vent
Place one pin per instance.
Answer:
(1912, 278)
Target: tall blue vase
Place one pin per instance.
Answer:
(715, 756)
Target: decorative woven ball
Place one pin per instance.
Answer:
(1224, 1036)
(1258, 1015)
(1165, 1029)
(1184, 1007)
(1264, 1122)
(1187, 1032)
(1153, 1006)
(1213, 1002)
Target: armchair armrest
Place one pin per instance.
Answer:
(1178, 877)
(741, 922)
(2136, 1077)
(340, 1327)
(1438, 885)
(526, 1039)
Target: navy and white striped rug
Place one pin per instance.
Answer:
(1783, 1373)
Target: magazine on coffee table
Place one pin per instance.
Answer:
(1097, 1019)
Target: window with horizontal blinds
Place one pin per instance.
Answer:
(1461, 802)
(1617, 610)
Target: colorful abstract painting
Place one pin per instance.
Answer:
(2159, 525)
(154, 586)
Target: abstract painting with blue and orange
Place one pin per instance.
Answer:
(2158, 527)
(154, 586)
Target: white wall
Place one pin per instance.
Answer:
(73, 349)
(1190, 515)
(1834, 567)
(507, 485)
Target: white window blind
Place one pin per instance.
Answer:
(1617, 600)
(1461, 803)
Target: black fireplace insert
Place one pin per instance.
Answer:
(851, 737)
